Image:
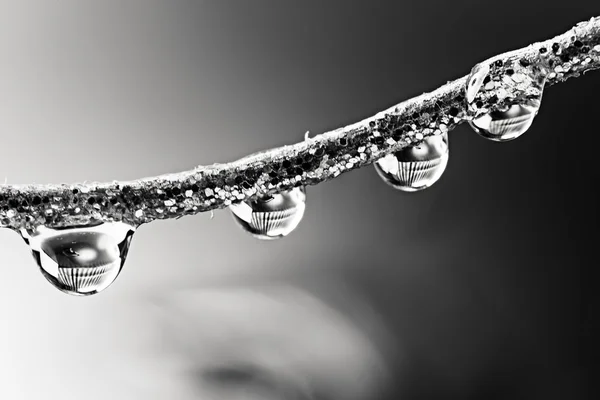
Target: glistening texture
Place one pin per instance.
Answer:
(310, 162)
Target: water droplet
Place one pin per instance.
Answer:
(271, 217)
(416, 167)
(505, 125)
(80, 260)
(504, 98)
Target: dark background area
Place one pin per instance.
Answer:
(485, 283)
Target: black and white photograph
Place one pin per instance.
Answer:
(299, 200)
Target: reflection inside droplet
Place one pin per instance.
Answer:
(416, 167)
(506, 125)
(81, 260)
(271, 217)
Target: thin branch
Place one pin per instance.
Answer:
(316, 159)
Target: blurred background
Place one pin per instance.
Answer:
(481, 287)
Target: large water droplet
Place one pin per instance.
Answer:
(497, 86)
(80, 260)
(273, 216)
(416, 167)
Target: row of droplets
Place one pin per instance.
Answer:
(84, 260)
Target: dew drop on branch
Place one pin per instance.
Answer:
(273, 216)
(416, 167)
(80, 260)
(504, 97)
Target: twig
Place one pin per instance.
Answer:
(312, 161)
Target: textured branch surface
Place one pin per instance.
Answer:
(310, 162)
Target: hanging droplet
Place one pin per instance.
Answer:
(508, 123)
(273, 216)
(80, 260)
(504, 98)
(416, 167)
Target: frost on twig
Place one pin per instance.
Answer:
(314, 160)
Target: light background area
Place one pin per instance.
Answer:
(480, 287)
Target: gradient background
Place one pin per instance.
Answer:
(481, 287)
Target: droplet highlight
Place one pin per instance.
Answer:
(504, 98)
(273, 216)
(80, 260)
(475, 81)
(416, 167)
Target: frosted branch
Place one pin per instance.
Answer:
(316, 159)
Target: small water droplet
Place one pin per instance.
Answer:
(271, 217)
(513, 80)
(80, 260)
(415, 167)
(502, 126)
